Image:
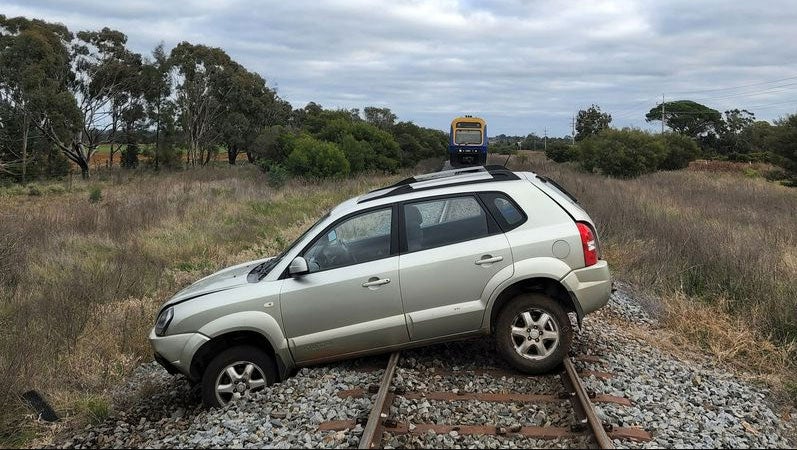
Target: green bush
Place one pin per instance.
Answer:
(783, 144)
(749, 172)
(680, 151)
(317, 159)
(776, 174)
(34, 191)
(168, 157)
(357, 152)
(387, 152)
(560, 152)
(623, 153)
(130, 156)
(95, 408)
(503, 148)
(277, 175)
(95, 195)
(56, 189)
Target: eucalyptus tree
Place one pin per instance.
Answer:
(65, 84)
(203, 88)
(382, 118)
(34, 78)
(105, 87)
(157, 84)
(591, 121)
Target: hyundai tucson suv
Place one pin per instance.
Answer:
(437, 257)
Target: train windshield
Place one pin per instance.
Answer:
(466, 137)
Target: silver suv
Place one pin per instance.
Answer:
(437, 257)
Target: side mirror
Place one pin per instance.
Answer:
(298, 267)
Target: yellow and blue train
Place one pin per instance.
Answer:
(467, 142)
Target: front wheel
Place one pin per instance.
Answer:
(235, 374)
(533, 333)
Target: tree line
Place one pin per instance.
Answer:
(693, 131)
(65, 95)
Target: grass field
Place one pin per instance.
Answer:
(719, 249)
(80, 281)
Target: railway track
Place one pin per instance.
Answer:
(585, 427)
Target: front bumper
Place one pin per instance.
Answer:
(175, 352)
(590, 287)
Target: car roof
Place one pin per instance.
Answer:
(435, 183)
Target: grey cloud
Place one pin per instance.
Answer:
(524, 65)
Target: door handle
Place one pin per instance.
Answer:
(374, 281)
(487, 259)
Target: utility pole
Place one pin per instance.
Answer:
(545, 140)
(573, 130)
(662, 114)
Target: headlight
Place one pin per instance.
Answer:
(164, 319)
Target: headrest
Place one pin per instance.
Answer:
(412, 216)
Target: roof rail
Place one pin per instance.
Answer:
(454, 177)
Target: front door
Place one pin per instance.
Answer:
(350, 302)
(452, 248)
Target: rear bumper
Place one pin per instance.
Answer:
(590, 287)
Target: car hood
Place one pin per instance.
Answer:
(223, 280)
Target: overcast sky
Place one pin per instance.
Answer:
(522, 65)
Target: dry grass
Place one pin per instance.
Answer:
(718, 249)
(707, 165)
(81, 282)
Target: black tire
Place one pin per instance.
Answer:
(244, 354)
(506, 343)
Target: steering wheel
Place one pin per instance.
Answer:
(336, 254)
(344, 247)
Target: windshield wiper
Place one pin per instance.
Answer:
(262, 269)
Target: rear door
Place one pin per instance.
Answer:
(451, 248)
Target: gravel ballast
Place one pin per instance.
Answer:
(682, 402)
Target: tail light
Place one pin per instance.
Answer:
(588, 243)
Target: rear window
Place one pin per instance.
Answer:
(504, 209)
(507, 211)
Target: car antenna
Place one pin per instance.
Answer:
(507, 160)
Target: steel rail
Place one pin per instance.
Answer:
(586, 406)
(370, 437)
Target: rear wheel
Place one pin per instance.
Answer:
(236, 373)
(533, 333)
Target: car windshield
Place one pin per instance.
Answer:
(262, 269)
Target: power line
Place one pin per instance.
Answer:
(794, 102)
(751, 93)
(626, 112)
(736, 87)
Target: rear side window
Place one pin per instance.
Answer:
(444, 221)
(504, 209)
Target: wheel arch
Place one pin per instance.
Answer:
(222, 342)
(539, 284)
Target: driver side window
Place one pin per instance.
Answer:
(359, 239)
